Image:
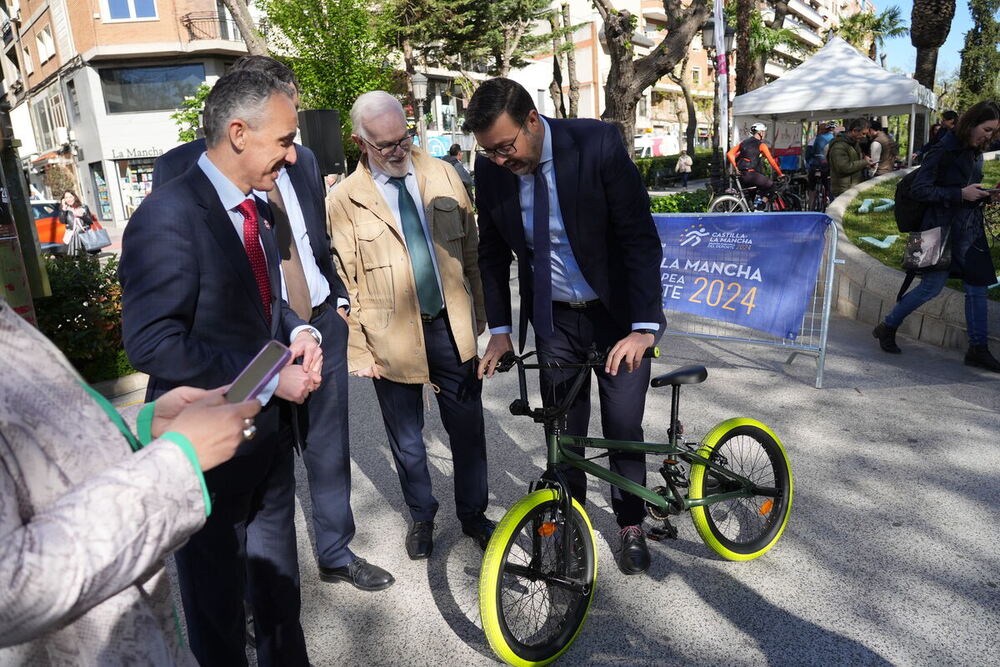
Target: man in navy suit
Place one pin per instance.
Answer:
(564, 197)
(201, 295)
(314, 289)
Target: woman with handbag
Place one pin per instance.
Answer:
(949, 184)
(77, 218)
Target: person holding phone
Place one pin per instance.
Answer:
(88, 511)
(202, 294)
(77, 218)
(949, 182)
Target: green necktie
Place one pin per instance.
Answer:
(420, 256)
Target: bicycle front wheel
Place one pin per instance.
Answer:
(534, 593)
(727, 204)
(747, 527)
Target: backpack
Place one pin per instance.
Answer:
(909, 212)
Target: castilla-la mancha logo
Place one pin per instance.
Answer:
(693, 234)
(696, 233)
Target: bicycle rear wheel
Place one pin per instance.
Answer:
(747, 527)
(727, 204)
(533, 594)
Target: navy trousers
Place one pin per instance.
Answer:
(460, 402)
(326, 455)
(247, 548)
(622, 396)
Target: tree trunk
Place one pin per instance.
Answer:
(555, 87)
(574, 83)
(757, 78)
(744, 64)
(692, 112)
(926, 66)
(256, 45)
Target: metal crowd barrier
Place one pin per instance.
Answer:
(815, 322)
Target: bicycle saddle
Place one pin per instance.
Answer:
(686, 375)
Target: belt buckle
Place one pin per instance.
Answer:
(578, 305)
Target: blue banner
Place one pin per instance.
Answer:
(757, 270)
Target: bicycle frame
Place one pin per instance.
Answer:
(553, 417)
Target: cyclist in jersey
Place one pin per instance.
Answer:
(745, 157)
(818, 166)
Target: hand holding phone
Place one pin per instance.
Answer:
(251, 381)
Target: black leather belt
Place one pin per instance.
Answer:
(576, 305)
(319, 310)
(430, 318)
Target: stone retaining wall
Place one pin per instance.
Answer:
(865, 289)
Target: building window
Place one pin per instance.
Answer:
(44, 44)
(131, 89)
(29, 66)
(49, 119)
(696, 75)
(126, 10)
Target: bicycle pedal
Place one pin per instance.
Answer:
(666, 532)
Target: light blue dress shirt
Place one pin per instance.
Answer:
(231, 197)
(568, 282)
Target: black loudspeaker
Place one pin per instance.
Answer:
(320, 132)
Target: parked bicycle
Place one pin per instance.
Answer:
(540, 567)
(738, 199)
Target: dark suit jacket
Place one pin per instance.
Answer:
(605, 209)
(309, 189)
(191, 309)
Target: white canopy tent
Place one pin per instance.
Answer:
(835, 82)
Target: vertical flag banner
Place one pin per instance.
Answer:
(755, 270)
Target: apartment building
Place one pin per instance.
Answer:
(93, 83)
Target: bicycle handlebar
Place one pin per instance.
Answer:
(594, 358)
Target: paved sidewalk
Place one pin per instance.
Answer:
(889, 557)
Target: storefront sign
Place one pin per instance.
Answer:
(756, 270)
(127, 153)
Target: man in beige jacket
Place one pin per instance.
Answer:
(405, 235)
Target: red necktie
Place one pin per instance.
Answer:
(255, 253)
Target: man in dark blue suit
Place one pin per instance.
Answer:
(315, 291)
(564, 197)
(201, 295)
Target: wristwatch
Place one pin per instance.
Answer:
(645, 331)
(315, 334)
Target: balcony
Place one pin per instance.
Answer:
(209, 25)
(806, 12)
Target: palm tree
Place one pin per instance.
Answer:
(930, 22)
(865, 29)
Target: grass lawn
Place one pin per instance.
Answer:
(880, 225)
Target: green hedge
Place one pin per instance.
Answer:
(648, 166)
(690, 201)
(83, 317)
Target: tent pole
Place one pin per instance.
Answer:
(913, 129)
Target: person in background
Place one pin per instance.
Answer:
(883, 150)
(77, 218)
(454, 158)
(818, 166)
(88, 511)
(947, 124)
(745, 158)
(847, 163)
(949, 183)
(683, 167)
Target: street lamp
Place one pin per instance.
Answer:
(419, 83)
(708, 41)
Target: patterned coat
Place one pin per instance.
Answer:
(84, 522)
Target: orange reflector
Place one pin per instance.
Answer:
(766, 507)
(546, 529)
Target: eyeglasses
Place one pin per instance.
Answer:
(386, 151)
(501, 151)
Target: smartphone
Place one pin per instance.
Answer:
(271, 359)
(990, 190)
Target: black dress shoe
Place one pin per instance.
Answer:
(480, 529)
(359, 573)
(420, 540)
(634, 556)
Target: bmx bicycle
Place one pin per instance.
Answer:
(540, 568)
